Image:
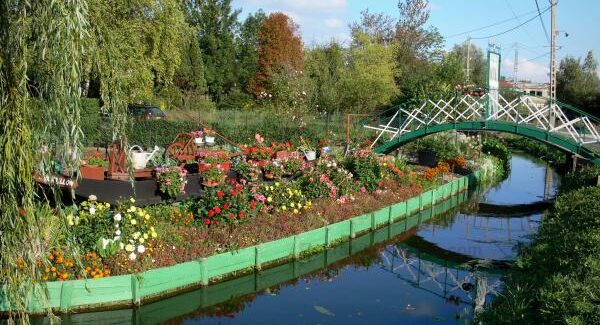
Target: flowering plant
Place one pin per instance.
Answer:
(258, 153)
(293, 165)
(134, 229)
(367, 169)
(171, 180)
(214, 157)
(197, 134)
(89, 222)
(246, 171)
(229, 203)
(273, 170)
(280, 146)
(285, 197)
(213, 176)
(60, 268)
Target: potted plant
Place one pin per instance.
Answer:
(198, 137)
(292, 166)
(93, 168)
(213, 176)
(246, 171)
(209, 137)
(218, 158)
(273, 170)
(282, 150)
(171, 180)
(308, 150)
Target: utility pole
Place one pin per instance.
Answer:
(554, 33)
(468, 60)
(516, 67)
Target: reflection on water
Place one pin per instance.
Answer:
(440, 270)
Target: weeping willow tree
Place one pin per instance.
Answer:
(49, 50)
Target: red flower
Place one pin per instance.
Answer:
(242, 215)
(225, 206)
(207, 221)
(233, 192)
(252, 204)
(231, 216)
(220, 193)
(217, 209)
(211, 213)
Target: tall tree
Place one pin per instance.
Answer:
(578, 83)
(368, 82)
(247, 47)
(189, 77)
(419, 46)
(217, 24)
(380, 27)
(325, 65)
(279, 51)
(477, 63)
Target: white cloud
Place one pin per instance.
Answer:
(528, 70)
(333, 23)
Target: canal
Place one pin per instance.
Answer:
(443, 271)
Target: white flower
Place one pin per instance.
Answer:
(92, 210)
(118, 217)
(92, 197)
(136, 235)
(121, 245)
(141, 249)
(132, 256)
(116, 238)
(118, 232)
(105, 242)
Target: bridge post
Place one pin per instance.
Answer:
(571, 162)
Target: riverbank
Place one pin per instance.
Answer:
(555, 280)
(130, 290)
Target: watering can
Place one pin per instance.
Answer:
(139, 157)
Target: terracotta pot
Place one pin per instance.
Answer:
(210, 183)
(92, 172)
(269, 176)
(283, 155)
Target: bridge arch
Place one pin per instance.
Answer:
(530, 132)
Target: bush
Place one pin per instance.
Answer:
(576, 180)
(560, 270)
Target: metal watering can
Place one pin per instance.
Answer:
(139, 157)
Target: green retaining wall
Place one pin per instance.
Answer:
(134, 289)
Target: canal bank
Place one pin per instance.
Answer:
(433, 272)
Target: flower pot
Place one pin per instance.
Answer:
(226, 166)
(310, 155)
(427, 157)
(209, 140)
(92, 172)
(199, 141)
(212, 183)
(269, 176)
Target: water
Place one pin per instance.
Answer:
(440, 272)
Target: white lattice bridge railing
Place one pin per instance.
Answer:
(555, 118)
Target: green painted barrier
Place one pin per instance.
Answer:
(128, 290)
(381, 217)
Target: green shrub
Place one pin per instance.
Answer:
(576, 180)
(560, 270)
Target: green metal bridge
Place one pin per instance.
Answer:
(556, 124)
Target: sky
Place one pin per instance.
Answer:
(323, 20)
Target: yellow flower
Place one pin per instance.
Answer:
(145, 236)
(141, 240)
(271, 187)
(299, 205)
(133, 221)
(132, 200)
(292, 205)
(283, 208)
(277, 184)
(296, 211)
(269, 199)
(129, 248)
(154, 234)
(70, 220)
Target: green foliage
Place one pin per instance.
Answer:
(537, 149)
(91, 222)
(578, 83)
(442, 144)
(557, 277)
(477, 64)
(493, 146)
(325, 65)
(247, 45)
(576, 180)
(366, 168)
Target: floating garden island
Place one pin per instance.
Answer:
(213, 212)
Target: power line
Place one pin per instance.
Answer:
(537, 5)
(510, 30)
(519, 20)
(492, 25)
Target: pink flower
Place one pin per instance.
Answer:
(260, 198)
(363, 189)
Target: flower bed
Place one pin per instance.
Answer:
(127, 290)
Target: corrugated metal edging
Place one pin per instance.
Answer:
(127, 290)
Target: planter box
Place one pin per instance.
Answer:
(92, 172)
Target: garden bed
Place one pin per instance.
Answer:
(134, 289)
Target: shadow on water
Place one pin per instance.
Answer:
(439, 266)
